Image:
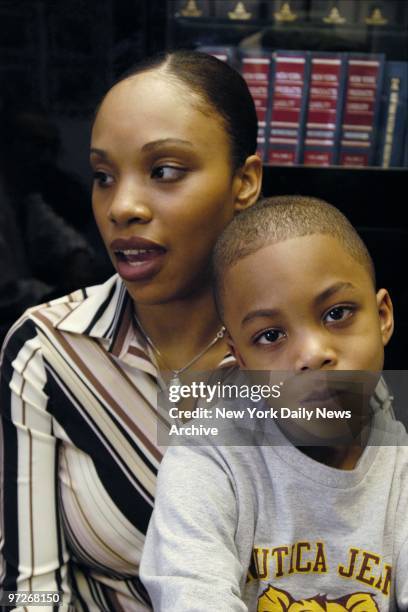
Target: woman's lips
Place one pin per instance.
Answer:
(137, 258)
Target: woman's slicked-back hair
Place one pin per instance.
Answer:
(219, 86)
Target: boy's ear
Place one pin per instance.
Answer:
(248, 180)
(234, 351)
(385, 312)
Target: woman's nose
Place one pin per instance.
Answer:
(129, 206)
(314, 353)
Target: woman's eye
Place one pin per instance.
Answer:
(270, 336)
(103, 179)
(339, 313)
(168, 173)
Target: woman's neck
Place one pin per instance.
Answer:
(181, 329)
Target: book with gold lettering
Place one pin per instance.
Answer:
(393, 115)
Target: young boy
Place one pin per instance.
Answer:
(270, 528)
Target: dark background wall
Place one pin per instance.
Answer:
(62, 55)
(57, 59)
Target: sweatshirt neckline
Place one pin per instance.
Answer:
(324, 474)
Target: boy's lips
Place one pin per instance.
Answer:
(137, 258)
(317, 396)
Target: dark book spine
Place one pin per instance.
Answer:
(405, 153)
(393, 115)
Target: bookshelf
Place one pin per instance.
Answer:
(347, 31)
(343, 29)
(373, 197)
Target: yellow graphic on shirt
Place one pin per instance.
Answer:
(311, 558)
(277, 600)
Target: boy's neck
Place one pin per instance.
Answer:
(345, 456)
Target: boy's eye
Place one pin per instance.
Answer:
(270, 336)
(103, 179)
(339, 313)
(168, 173)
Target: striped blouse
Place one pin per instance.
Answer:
(80, 454)
(79, 451)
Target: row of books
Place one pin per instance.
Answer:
(325, 109)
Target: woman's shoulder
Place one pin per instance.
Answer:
(70, 313)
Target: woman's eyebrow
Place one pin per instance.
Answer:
(99, 152)
(149, 146)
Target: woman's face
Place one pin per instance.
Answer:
(163, 185)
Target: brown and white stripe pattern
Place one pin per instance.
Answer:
(80, 454)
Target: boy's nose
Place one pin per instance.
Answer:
(129, 206)
(315, 353)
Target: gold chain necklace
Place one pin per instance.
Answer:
(175, 378)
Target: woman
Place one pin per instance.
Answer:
(173, 155)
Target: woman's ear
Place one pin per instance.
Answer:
(385, 312)
(248, 180)
(234, 351)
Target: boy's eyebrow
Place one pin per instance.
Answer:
(324, 295)
(262, 312)
(274, 312)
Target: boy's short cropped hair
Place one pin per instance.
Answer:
(280, 218)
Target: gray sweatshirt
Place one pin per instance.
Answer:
(238, 528)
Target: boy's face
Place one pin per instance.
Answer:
(306, 304)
